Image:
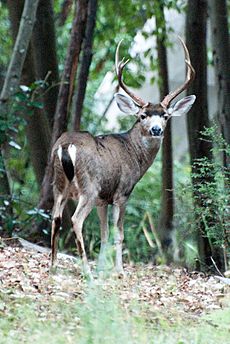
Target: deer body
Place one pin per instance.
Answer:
(103, 170)
(107, 166)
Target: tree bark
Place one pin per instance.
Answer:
(165, 225)
(38, 132)
(45, 57)
(221, 56)
(65, 9)
(71, 65)
(197, 119)
(85, 64)
(65, 95)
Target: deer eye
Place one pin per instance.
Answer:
(143, 116)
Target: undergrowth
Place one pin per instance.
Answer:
(100, 318)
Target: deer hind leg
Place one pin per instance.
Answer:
(118, 217)
(58, 208)
(84, 207)
(103, 217)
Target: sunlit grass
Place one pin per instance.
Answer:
(101, 318)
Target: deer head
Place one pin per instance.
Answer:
(154, 117)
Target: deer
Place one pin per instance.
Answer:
(103, 170)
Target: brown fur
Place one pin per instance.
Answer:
(106, 169)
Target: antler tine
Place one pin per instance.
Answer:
(119, 65)
(189, 77)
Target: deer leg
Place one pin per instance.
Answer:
(103, 217)
(118, 215)
(59, 205)
(84, 207)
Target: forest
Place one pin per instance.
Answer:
(58, 74)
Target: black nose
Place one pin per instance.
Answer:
(156, 131)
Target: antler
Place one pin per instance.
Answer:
(189, 78)
(119, 65)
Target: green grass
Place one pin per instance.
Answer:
(100, 318)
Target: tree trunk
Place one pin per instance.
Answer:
(71, 64)
(198, 119)
(38, 132)
(65, 9)
(166, 215)
(4, 182)
(45, 57)
(221, 56)
(65, 95)
(85, 64)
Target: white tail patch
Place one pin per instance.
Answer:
(72, 150)
(59, 152)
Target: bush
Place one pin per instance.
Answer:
(206, 201)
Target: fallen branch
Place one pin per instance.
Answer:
(223, 279)
(37, 248)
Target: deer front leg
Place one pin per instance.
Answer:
(103, 217)
(84, 207)
(118, 216)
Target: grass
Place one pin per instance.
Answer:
(100, 318)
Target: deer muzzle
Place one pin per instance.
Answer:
(156, 131)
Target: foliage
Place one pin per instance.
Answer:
(24, 190)
(145, 198)
(212, 183)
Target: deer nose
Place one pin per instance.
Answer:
(156, 131)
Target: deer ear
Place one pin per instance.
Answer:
(182, 106)
(126, 104)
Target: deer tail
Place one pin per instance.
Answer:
(67, 157)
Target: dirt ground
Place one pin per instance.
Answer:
(24, 271)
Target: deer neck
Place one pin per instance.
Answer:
(145, 147)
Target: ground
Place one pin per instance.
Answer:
(151, 304)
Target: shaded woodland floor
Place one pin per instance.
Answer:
(151, 304)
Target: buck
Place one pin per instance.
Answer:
(102, 170)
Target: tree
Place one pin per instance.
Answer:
(166, 215)
(40, 60)
(221, 57)
(45, 56)
(65, 94)
(85, 64)
(197, 120)
(14, 72)
(66, 6)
